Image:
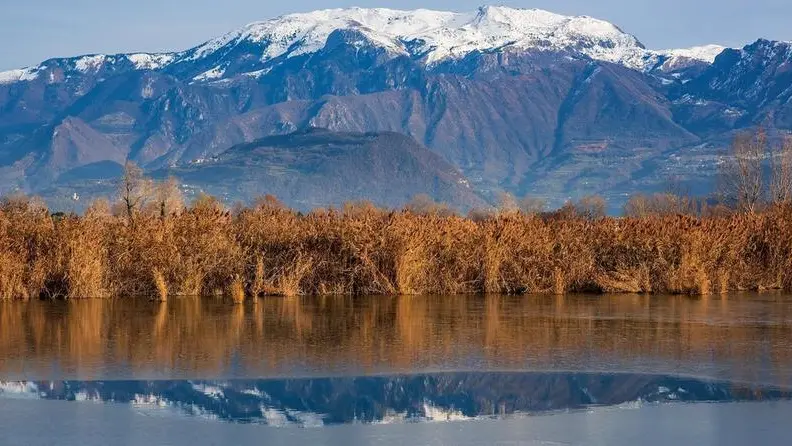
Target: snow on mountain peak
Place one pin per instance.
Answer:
(305, 33)
(147, 61)
(426, 35)
(705, 53)
(438, 35)
(141, 61)
(13, 76)
(682, 58)
(90, 63)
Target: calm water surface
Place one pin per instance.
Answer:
(493, 364)
(742, 337)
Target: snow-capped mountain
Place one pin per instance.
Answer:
(428, 36)
(706, 53)
(86, 65)
(676, 59)
(521, 100)
(434, 36)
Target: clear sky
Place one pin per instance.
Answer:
(34, 30)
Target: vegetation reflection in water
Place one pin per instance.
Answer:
(736, 338)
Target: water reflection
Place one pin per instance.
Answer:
(312, 402)
(740, 337)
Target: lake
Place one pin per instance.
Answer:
(575, 369)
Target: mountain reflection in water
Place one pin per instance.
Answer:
(744, 338)
(313, 402)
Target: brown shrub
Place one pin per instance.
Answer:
(271, 250)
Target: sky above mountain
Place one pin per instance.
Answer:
(35, 30)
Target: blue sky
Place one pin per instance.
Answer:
(34, 30)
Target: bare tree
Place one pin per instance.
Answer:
(168, 197)
(781, 173)
(269, 202)
(679, 198)
(591, 207)
(18, 202)
(638, 205)
(659, 204)
(207, 204)
(134, 190)
(742, 179)
(508, 204)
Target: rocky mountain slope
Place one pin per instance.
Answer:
(520, 100)
(318, 168)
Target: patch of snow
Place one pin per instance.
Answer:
(705, 53)
(147, 61)
(214, 73)
(631, 405)
(392, 417)
(209, 390)
(258, 73)
(149, 400)
(680, 58)
(274, 417)
(733, 112)
(148, 90)
(153, 405)
(82, 395)
(434, 413)
(256, 392)
(13, 76)
(19, 389)
(690, 100)
(591, 76)
(89, 63)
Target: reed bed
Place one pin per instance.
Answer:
(362, 250)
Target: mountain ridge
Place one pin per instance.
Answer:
(555, 106)
(449, 35)
(308, 169)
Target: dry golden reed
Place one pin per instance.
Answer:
(237, 290)
(271, 250)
